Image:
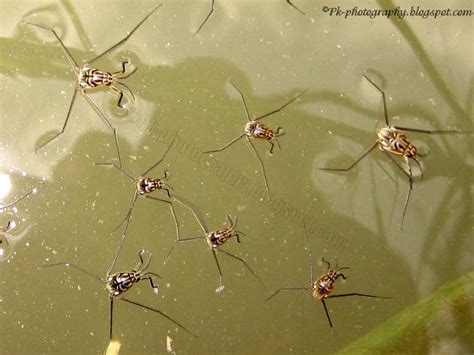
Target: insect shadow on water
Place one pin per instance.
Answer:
(211, 11)
(11, 224)
(120, 282)
(144, 186)
(256, 130)
(322, 287)
(392, 140)
(88, 77)
(215, 239)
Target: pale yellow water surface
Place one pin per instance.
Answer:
(271, 52)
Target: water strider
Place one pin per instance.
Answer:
(254, 129)
(118, 283)
(89, 77)
(215, 240)
(393, 141)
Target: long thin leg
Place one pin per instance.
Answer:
(217, 261)
(68, 264)
(310, 253)
(410, 187)
(310, 261)
(162, 157)
(128, 75)
(364, 153)
(294, 6)
(270, 152)
(243, 262)
(226, 146)
(151, 274)
(279, 133)
(69, 56)
(327, 313)
(119, 168)
(327, 263)
(231, 223)
(118, 74)
(383, 99)
(121, 95)
(149, 278)
(65, 121)
(111, 316)
(356, 294)
(159, 312)
(132, 96)
(140, 263)
(278, 143)
(207, 17)
(117, 252)
(396, 163)
(410, 182)
(262, 166)
(156, 198)
(243, 100)
(180, 241)
(107, 121)
(123, 40)
(281, 107)
(14, 202)
(128, 215)
(431, 131)
(173, 212)
(286, 289)
(167, 189)
(342, 268)
(305, 233)
(198, 219)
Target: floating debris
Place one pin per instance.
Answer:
(168, 345)
(113, 348)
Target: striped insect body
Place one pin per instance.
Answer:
(89, 77)
(122, 281)
(323, 286)
(147, 185)
(395, 141)
(218, 237)
(254, 129)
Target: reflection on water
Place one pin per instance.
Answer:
(5, 185)
(182, 85)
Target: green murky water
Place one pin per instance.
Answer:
(271, 52)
